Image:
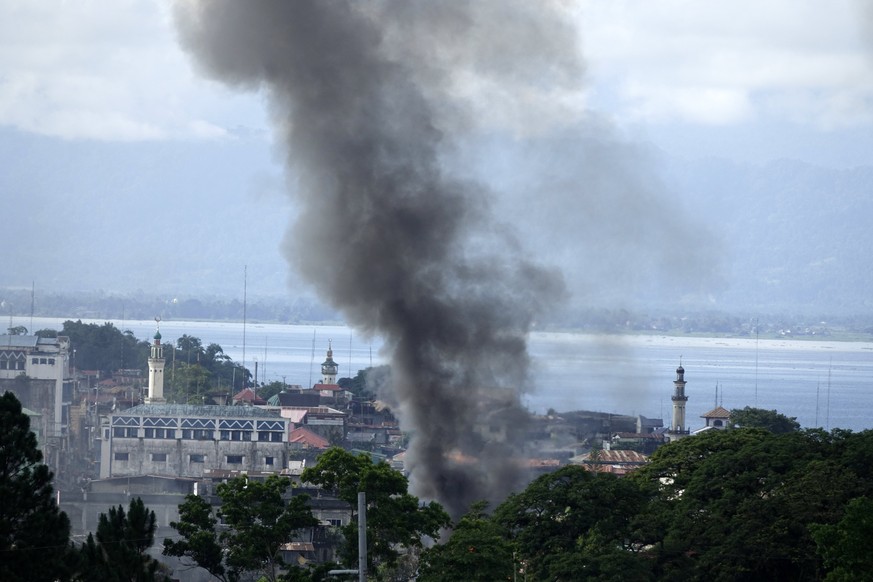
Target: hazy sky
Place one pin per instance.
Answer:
(102, 112)
(739, 78)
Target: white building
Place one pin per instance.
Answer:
(186, 440)
(37, 370)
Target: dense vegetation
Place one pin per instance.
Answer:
(742, 504)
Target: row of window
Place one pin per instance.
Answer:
(7, 365)
(195, 458)
(49, 361)
(263, 436)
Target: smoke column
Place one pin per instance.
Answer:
(367, 98)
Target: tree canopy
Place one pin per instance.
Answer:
(119, 552)
(34, 533)
(746, 504)
(395, 518)
(258, 520)
(771, 420)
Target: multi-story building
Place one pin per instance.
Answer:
(184, 440)
(37, 370)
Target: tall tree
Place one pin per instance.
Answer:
(199, 544)
(258, 522)
(575, 524)
(119, 552)
(34, 533)
(476, 551)
(771, 420)
(845, 546)
(395, 518)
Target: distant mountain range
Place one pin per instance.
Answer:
(175, 221)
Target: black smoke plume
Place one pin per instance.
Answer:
(367, 98)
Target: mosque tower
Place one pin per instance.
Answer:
(329, 368)
(677, 427)
(156, 369)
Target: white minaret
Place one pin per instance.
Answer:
(678, 428)
(156, 369)
(329, 367)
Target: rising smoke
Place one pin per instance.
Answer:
(370, 100)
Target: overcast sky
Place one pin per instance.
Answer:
(84, 80)
(739, 78)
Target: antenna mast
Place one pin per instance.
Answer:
(245, 298)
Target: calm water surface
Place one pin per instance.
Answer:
(827, 384)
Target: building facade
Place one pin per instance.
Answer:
(37, 370)
(184, 440)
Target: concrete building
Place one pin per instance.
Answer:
(678, 428)
(184, 440)
(37, 370)
(156, 369)
(329, 368)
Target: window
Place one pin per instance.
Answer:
(51, 361)
(269, 436)
(335, 522)
(197, 458)
(125, 432)
(268, 461)
(34, 361)
(43, 361)
(20, 365)
(122, 456)
(159, 457)
(234, 459)
(3, 364)
(196, 434)
(160, 433)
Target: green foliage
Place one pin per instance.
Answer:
(366, 382)
(395, 519)
(476, 552)
(119, 553)
(105, 347)
(771, 420)
(34, 534)
(736, 505)
(199, 542)
(259, 522)
(845, 545)
(575, 524)
(194, 373)
(17, 330)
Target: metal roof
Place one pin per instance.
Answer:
(18, 341)
(198, 410)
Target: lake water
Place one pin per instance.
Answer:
(827, 384)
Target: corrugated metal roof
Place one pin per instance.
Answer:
(198, 410)
(18, 341)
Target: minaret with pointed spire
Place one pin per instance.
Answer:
(677, 427)
(329, 368)
(156, 368)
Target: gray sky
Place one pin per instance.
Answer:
(659, 70)
(107, 81)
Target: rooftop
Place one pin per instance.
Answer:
(198, 410)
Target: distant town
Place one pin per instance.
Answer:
(113, 432)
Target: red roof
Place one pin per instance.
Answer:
(309, 439)
(248, 396)
(717, 412)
